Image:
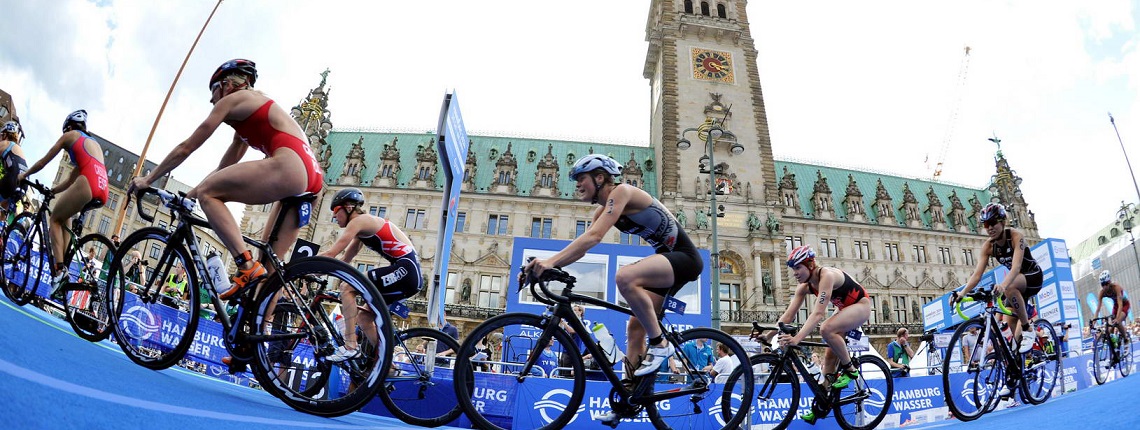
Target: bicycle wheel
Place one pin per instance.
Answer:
(1042, 364)
(86, 309)
(967, 376)
(1102, 358)
(18, 260)
(1125, 355)
(863, 404)
(303, 378)
(723, 405)
(419, 391)
(539, 401)
(152, 329)
(777, 391)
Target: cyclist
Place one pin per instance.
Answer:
(288, 169)
(12, 164)
(853, 309)
(87, 184)
(647, 282)
(400, 279)
(1120, 304)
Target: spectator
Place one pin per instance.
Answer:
(899, 354)
(725, 363)
(115, 240)
(442, 350)
(134, 267)
(699, 353)
(587, 358)
(969, 339)
(482, 355)
(548, 361)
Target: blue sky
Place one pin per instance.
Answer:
(845, 83)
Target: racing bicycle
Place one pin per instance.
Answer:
(156, 336)
(701, 403)
(28, 263)
(861, 405)
(1109, 353)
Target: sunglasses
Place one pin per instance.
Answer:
(336, 208)
(990, 222)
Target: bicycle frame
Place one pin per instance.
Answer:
(40, 221)
(795, 355)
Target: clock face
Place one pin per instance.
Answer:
(712, 65)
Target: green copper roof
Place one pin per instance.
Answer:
(487, 150)
(837, 180)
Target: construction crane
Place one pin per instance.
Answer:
(952, 122)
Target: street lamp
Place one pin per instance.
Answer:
(1125, 218)
(712, 133)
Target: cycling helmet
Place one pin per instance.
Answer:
(992, 211)
(592, 162)
(237, 65)
(348, 195)
(800, 255)
(12, 127)
(77, 117)
(1105, 277)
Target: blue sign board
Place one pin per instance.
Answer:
(452, 145)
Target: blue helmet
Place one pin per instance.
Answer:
(593, 162)
(348, 195)
(992, 211)
(800, 255)
(237, 65)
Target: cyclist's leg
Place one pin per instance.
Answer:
(67, 203)
(835, 328)
(633, 281)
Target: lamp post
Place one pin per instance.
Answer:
(712, 132)
(1125, 218)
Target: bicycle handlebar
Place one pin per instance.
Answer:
(43, 189)
(552, 274)
(166, 198)
(980, 295)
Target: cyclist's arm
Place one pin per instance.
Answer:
(206, 129)
(1019, 249)
(819, 309)
(793, 308)
(604, 218)
(75, 174)
(52, 152)
(233, 153)
(1099, 303)
(979, 269)
(348, 239)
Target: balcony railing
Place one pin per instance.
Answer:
(462, 311)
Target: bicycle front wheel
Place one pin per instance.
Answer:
(153, 329)
(19, 282)
(1102, 358)
(777, 391)
(863, 404)
(418, 389)
(1042, 364)
(723, 405)
(969, 377)
(303, 376)
(86, 309)
(540, 397)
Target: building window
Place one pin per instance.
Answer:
(804, 311)
(729, 297)
(416, 219)
(497, 224)
(926, 300)
(792, 242)
(891, 251)
(721, 12)
(827, 248)
(114, 202)
(862, 250)
(104, 224)
(629, 239)
(452, 283)
(968, 257)
(920, 253)
(460, 222)
(162, 224)
(155, 251)
(364, 268)
(900, 309)
(705, 8)
(504, 178)
(874, 311)
(490, 288)
(581, 227)
(944, 254)
(540, 227)
(379, 211)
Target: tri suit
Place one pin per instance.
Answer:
(90, 167)
(1004, 256)
(259, 134)
(661, 230)
(401, 278)
(844, 295)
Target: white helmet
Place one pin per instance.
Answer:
(1105, 277)
(77, 117)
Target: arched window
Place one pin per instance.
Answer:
(1101, 240)
(1115, 232)
(705, 8)
(688, 6)
(721, 11)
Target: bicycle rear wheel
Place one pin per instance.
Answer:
(152, 329)
(724, 405)
(86, 309)
(1125, 355)
(969, 377)
(539, 401)
(419, 391)
(18, 282)
(777, 391)
(1102, 358)
(1042, 364)
(863, 404)
(304, 378)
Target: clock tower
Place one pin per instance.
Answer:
(701, 67)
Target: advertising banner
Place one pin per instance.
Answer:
(452, 146)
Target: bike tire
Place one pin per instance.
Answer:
(146, 339)
(971, 400)
(88, 315)
(415, 389)
(18, 244)
(1102, 356)
(870, 396)
(1126, 355)
(721, 408)
(363, 376)
(492, 409)
(777, 393)
(1042, 364)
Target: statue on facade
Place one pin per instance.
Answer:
(754, 223)
(681, 218)
(702, 219)
(772, 223)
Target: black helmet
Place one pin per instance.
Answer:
(348, 195)
(236, 65)
(992, 213)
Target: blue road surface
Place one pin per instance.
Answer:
(52, 379)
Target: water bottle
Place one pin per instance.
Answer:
(606, 341)
(217, 272)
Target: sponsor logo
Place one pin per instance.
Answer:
(140, 323)
(548, 402)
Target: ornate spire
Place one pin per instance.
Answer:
(312, 114)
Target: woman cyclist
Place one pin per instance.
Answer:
(645, 283)
(87, 183)
(288, 169)
(853, 309)
(1120, 304)
(399, 280)
(12, 164)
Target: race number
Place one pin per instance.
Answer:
(303, 249)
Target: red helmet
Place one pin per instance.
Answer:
(994, 212)
(238, 65)
(800, 255)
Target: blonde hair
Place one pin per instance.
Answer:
(238, 80)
